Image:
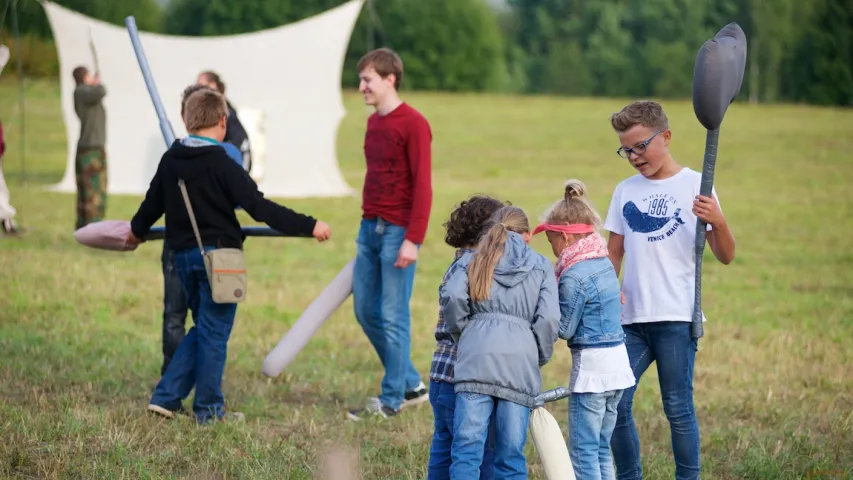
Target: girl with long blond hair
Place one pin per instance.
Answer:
(501, 306)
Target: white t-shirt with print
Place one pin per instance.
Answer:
(659, 270)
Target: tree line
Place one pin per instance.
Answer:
(798, 51)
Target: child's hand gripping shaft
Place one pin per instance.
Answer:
(717, 78)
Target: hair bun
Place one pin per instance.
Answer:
(575, 189)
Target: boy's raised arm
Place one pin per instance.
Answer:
(244, 192)
(546, 321)
(91, 93)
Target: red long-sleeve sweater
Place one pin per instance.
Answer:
(398, 181)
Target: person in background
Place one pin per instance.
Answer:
(91, 161)
(235, 134)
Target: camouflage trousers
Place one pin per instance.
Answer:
(91, 172)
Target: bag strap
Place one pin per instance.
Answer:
(190, 212)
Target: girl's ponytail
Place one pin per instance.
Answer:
(491, 247)
(574, 208)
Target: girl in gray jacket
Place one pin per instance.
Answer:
(501, 305)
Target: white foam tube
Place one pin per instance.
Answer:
(329, 300)
(548, 438)
(550, 445)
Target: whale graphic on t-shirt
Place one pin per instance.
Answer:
(643, 222)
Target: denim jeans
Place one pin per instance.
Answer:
(592, 417)
(673, 348)
(174, 308)
(443, 401)
(200, 359)
(381, 294)
(472, 417)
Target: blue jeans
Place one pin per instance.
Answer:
(200, 358)
(592, 417)
(443, 401)
(674, 349)
(174, 307)
(381, 294)
(472, 417)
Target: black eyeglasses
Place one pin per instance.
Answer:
(637, 149)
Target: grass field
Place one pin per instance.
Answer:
(80, 328)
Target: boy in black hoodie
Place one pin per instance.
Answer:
(216, 185)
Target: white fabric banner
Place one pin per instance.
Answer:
(289, 77)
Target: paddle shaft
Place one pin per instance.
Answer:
(157, 233)
(552, 395)
(165, 125)
(705, 189)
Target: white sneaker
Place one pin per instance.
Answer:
(416, 397)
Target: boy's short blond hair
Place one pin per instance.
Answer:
(385, 61)
(204, 109)
(186, 95)
(647, 113)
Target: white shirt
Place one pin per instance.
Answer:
(656, 218)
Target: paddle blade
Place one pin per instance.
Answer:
(718, 75)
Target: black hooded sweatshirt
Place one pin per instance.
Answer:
(216, 185)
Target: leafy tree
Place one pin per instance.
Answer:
(33, 21)
(820, 71)
(230, 17)
(451, 45)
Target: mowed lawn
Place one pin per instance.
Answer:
(80, 328)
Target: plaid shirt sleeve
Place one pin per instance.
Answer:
(444, 357)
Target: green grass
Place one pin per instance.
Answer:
(80, 328)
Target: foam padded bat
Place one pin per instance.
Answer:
(320, 310)
(548, 438)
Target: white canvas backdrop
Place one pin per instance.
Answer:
(288, 76)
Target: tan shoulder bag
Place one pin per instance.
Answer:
(226, 269)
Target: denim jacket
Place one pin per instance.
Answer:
(505, 339)
(590, 307)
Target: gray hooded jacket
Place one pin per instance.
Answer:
(503, 341)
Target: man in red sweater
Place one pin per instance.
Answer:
(396, 202)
